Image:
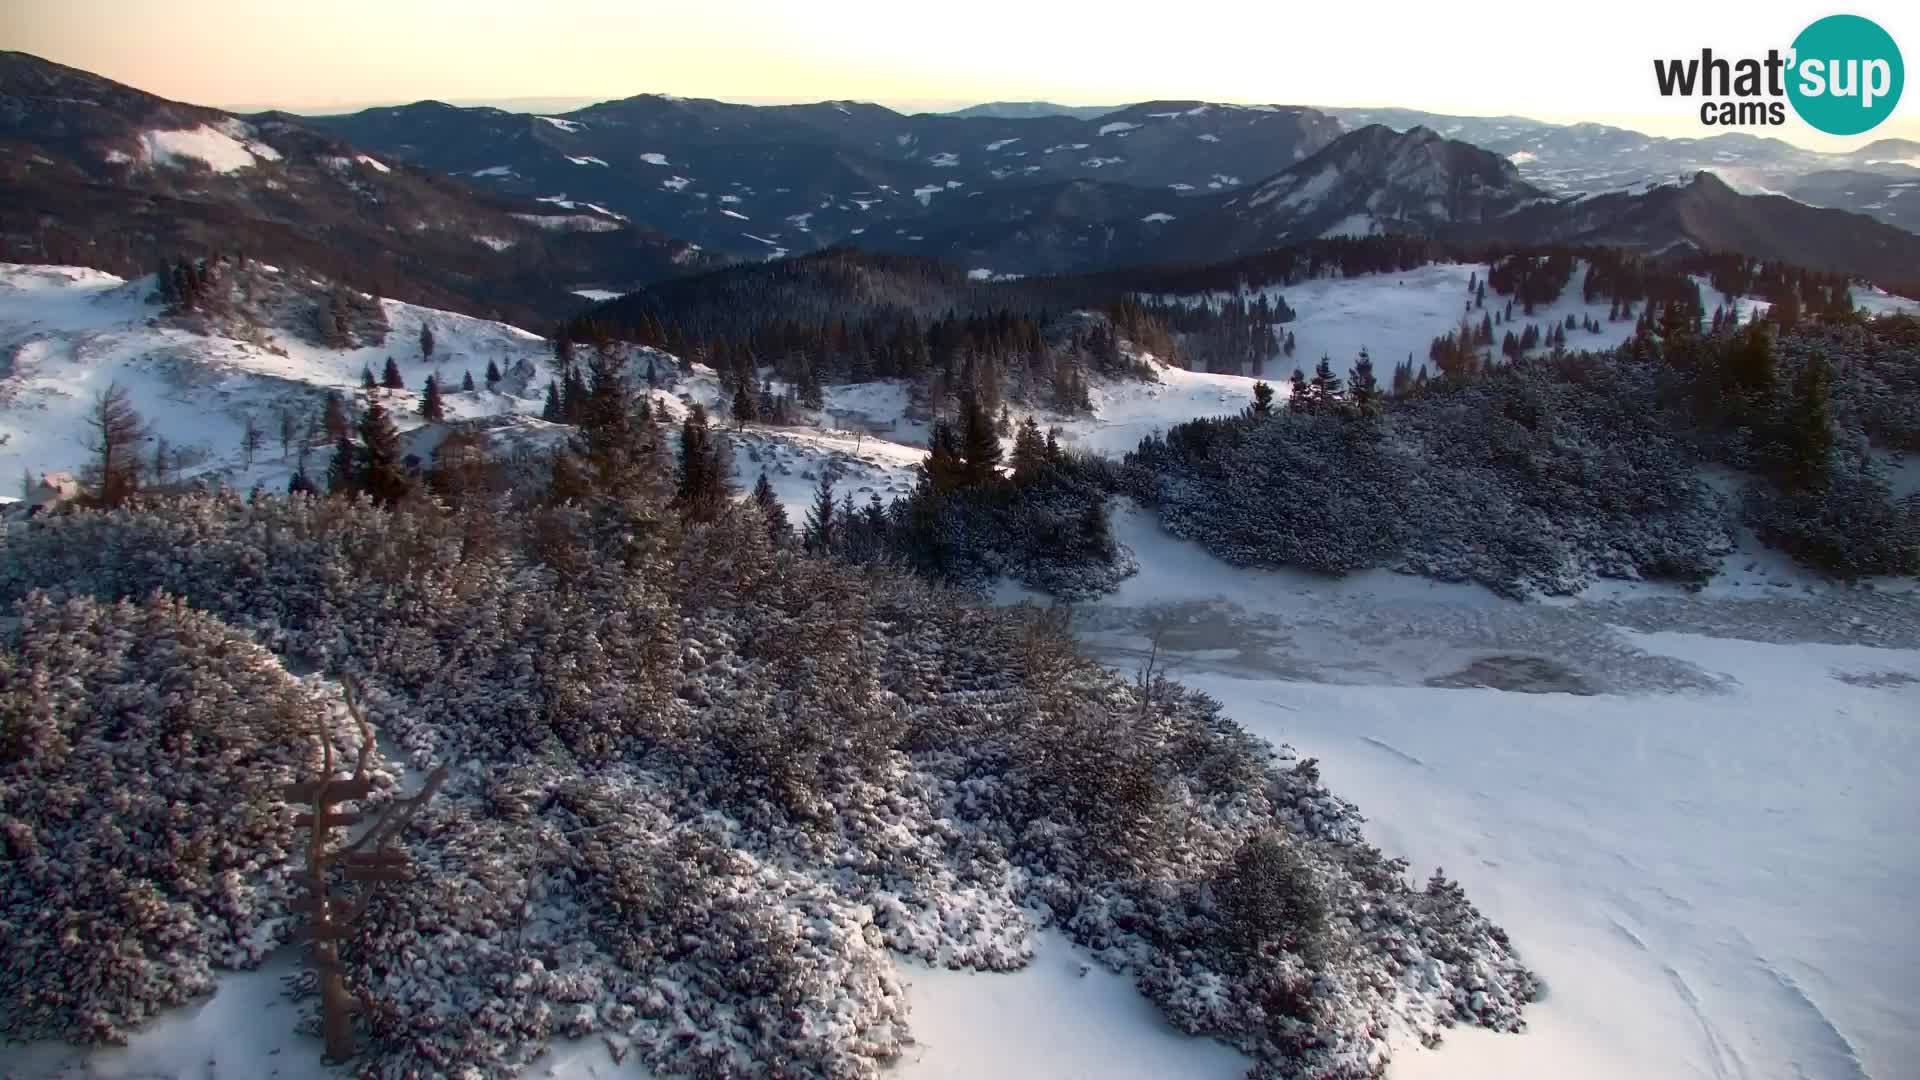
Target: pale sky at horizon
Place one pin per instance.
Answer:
(1594, 63)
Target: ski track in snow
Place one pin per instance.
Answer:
(1394, 750)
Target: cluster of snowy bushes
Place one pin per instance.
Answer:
(143, 748)
(1047, 530)
(1539, 476)
(701, 786)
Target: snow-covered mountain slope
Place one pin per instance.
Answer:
(105, 175)
(1396, 316)
(1379, 180)
(1585, 158)
(748, 179)
(66, 333)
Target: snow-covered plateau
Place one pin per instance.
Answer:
(1694, 812)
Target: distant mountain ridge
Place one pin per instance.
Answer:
(766, 180)
(1016, 110)
(1573, 159)
(101, 174)
(495, 212)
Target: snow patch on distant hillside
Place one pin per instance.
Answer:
(218, 150)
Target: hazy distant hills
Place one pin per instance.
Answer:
(499, 212)
(1022, 110)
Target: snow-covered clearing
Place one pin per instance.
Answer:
(1707, 854)
(66, 333)
(1394, 316)
(219, 150)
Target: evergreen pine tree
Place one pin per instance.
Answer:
(493, 375)
(701, 488)
(432, 408)
(1809, 424)
(426, 341)
(1298, 398)
(1325, 388)
(1262, 400)
(552, 412)
(334, 416)
(778, 529)
(390, 378)
(819, 531)
(366, 379)
(811, 394)
(945, 466)
(382, 473)
(979, 444)
(1363, 388)
(608, 437)
(466, 383)
(743, 406)
(1029, 452)
(343, 471)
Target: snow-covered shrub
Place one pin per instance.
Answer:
(1533, 479)
(143, 748)
(1848, 527)
(1269, 894)
(700, 787)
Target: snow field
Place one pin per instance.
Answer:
(1708, 861)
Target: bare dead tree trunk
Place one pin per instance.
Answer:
(367, 861)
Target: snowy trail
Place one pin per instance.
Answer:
(1709, 860)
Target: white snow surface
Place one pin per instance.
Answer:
(1116, 127)
(1394, 316)
(1057, 1017)
(221, 151)
(70, 332)
(1713, 882)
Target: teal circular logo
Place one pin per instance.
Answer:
(1846, 75)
